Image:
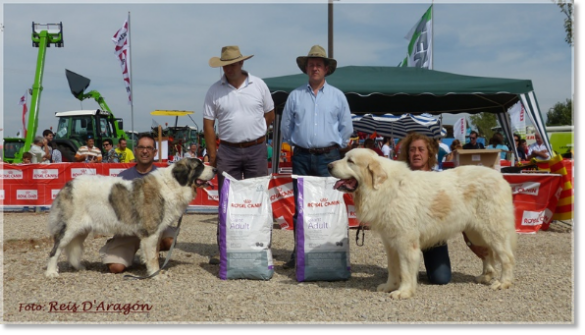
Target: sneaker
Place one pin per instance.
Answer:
(214, 260)
(289, 265)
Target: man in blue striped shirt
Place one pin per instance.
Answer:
(316, 121)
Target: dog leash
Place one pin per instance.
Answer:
(168, 258)
(357, 235)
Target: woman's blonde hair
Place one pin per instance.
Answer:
(405, 148)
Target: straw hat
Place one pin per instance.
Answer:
(229, 55)
(316, 51)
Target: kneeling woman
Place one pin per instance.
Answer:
(419, 152)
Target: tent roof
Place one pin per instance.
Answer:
(400, 90)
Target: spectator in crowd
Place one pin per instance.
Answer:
(497, 142)
(201, 152)
(192, 153)
(455, 145)
(522, 150)
(88, 153)
(538, 149)
(48, 134)
(244, 109)
(473, 143)
(56, 156)
(370, 143)
(316, 121)
(387, 147)
(26, 157)
(520, 153)
(442, 151)
(125, 155)
(40, 150)
(111, 155)
(118, 252)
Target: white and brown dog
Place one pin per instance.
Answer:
(110, 205)
(415, 210)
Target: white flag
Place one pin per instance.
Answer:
(122, 51)
(460, 130)
(421, 43)
(22, 103)
(517, 119)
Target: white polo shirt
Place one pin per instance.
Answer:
(536, 147)
(239, 111)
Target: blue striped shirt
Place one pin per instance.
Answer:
(319, 121)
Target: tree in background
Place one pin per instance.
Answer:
(567, 9)
(484, 122)
(561, 114)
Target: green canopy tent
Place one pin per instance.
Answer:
(399, 90)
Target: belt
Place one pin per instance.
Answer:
(243, 144)
(317, 151)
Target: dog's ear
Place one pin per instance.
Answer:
(181, 172)
(377, 173)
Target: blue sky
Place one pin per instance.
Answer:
(172, 43)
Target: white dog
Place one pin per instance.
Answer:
(415, 210)
(110, 205)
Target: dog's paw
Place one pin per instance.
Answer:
(483, 279)
(401, 294)
(160, 276)
(497, 285)
(51, 274)
(386, 287)
(79, 267)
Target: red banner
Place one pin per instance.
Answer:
(536, 196)
(535, 199)
(281, 194)
(37, 185)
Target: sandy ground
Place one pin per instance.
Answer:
(190, 291)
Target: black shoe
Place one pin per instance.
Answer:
(214, 260)
(289, 265)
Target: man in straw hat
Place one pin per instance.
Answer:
(316, 120)
(244, 109)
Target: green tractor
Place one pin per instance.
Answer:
(43, 35)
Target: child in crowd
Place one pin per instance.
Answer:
(26, 158)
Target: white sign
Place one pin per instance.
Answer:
(26, 195)
(45, 174)
(11, 174)
(81, 171)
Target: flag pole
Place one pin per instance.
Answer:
(433, 35)
(131, 81)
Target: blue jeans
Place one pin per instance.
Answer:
(306, 164)
(437, 264)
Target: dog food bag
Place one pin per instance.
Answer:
(245, 229)
(322, 232)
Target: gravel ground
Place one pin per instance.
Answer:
(191, 292)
